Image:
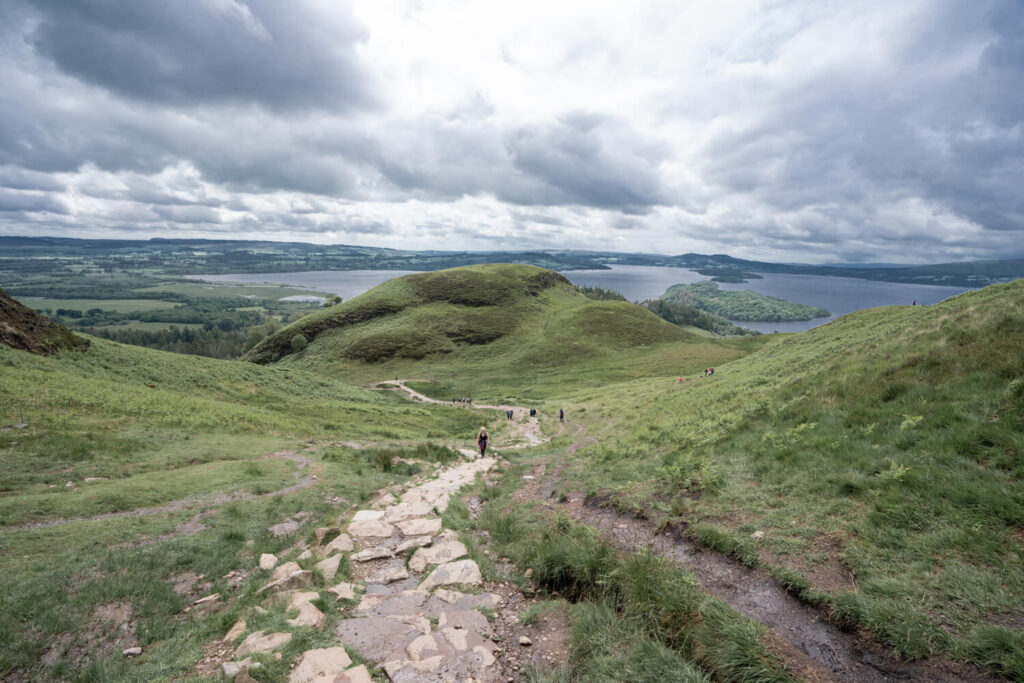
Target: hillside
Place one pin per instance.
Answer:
(24, 329)
(742, 305)
(879, 459)
(488, 328)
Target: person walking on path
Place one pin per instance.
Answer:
(561, 415)
(481, 441)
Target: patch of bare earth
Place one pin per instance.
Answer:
(110, 630)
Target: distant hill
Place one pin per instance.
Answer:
(22, 328)
(741, 305)
(433, 314)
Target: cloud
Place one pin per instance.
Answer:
(788, 131)
(278, 55)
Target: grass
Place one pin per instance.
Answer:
(206, 289)
(880, 455)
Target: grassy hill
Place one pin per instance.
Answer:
(126, 473)
(490, 331)
(22, 328)
(881, 458)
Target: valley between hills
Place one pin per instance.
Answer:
(839, 504)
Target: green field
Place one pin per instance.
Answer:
(116, 305)
(205, 289)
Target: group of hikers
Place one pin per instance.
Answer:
(465, 400)
(510, 413)
(707, 373)
(482, 438)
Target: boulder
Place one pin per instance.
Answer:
(285, 528)
(294, 581)
(344, 591)
(388, 575)
(232, 669)
(284, 570)
(357, 674)
(268, 561)
(342, 543)
(325, 531)
(308, 616)
(235, 632)
(329, 567)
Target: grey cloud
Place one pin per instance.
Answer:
(11, 201)
(592, 160)
(275, 54)
(187, 214)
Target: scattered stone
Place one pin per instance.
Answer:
(329, 567)
(285, 528)
(294, 581)
(419, 527)
(298, 598)
(387, 575)
(320, 666)
(132, 651)
(284, 570)
(523, 640)
(325, 531)
(371, 529)
(342, 543)
(209, 598)
(437, 554)
(459, 572)
(260, 642)
(414, 542)
(268, 561)
(306, 554)
(235, 632)
(90, 479)
(757, 535)
(344, 591)
(377, 553)
(244, 677)
(231, 669)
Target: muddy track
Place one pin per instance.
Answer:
(304, 478)
(803, 636)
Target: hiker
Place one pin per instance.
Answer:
(561, 415)
(533, 412)
(508, 414)
(481, 441)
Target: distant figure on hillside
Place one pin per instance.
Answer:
(469, 400)
(561, 415)
(481, 441)
(533, 412)
(915, 303)
(711, 371)
(508, 414)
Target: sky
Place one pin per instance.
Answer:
(816, 132)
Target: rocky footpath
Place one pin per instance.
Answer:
(416, 608)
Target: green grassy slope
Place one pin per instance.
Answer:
(881, 455)
(495, 331)
(119, 429)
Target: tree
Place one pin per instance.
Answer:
(299, 342)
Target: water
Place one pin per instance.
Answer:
(839, 295)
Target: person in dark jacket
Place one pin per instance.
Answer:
(481, 441)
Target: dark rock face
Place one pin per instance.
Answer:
(24, 329)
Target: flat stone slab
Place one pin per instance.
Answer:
(397, 513)
(320, 666)
(436, 554)
(260, 641)
(329, 567)
(397, 605)
(297, 598)
(468, 619)
(371, 529)
(443, 600)
(340, 544)
(377, 553)
(459, 572)
(368, 515)
(285, 528)
(357, 674)
(414, 542)
(387, 575)
(419, 527)
(375, 637)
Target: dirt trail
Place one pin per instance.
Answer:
(305, 476)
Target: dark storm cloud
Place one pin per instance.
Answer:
(276, 54)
